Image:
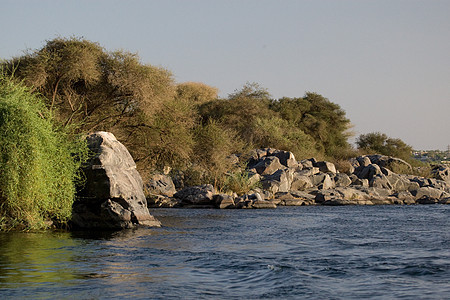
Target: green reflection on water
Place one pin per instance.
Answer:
(36, 257)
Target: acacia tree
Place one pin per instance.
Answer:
(195, 92)
(324, 121)
(380, 143)
(89, 89)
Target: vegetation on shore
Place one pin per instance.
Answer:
(184, 126)
(39, 162)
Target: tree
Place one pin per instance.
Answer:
(382, 144)
(89, 86)
(324, 121)
(195, 92)
(90, 89)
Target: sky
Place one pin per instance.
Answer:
(385, 62)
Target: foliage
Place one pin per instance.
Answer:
(85, 85)
(169, 137)
(279, 133)
(185, 125)
(195, 92)
(238, 113)
(213, 145)
(251, 90)
(239, 182)
(39, 162)
(324, 121)
(380, 143)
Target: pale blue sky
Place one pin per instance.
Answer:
(385, 62)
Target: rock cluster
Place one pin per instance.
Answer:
(284, 181)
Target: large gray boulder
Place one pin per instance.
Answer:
(286, 158)
(301, 182)
(201, 195)
(325, 167)
(113, 196)
(268, 165)
(280, 181)
(160, 184)
(342, 180)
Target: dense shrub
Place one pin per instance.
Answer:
(377, 142)
(324, 121)
(213, 145)
(39, 164)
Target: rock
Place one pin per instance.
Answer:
(160, 201)
(441, 172)
(400, 182)
(301, 182)
(389, 161)
(405, 196)
(160, 184)
(380, 181)
(308, 163)
(224, 201)
(268, 165)
(349, 193)
(113, 196)
(427, 200)
(286, 158)
(339, 202)
(364, 161)
(445, 201)
(255, 196)
(294, 198)
(325, 167)
(427, 192)
(358, 181)
(280, 181)
(368, 172)
(308, 171)
(386, 172)
(263, 204)
(326, 195)
(322, 181)
(374, 192)
(253, 178)
(342, 180)
(196, 195)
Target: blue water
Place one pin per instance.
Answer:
(309, 252)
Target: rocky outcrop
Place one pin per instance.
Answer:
(441, 172)
(287, 182)
(113, 196)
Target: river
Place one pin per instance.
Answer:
(308, 252)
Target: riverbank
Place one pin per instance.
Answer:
(281, 180)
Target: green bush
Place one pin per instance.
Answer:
(214, 144)
(239, 182)
(376, 142)
(39, 164)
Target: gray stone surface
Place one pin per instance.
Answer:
(113, 196)
(268, 165)
(196, 195)
(160, 184)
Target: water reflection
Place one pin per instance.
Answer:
(35, 257)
